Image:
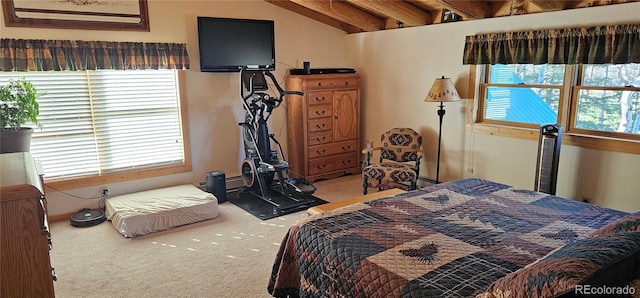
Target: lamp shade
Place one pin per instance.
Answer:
(442, 90)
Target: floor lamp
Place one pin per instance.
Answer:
(441, 91)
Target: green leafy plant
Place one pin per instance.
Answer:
(18, 105)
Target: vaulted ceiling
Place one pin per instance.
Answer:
(372, 15)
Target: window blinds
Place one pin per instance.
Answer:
(107, 121)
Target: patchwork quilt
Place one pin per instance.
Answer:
(448, 240)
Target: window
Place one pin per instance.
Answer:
(607, 100)
(523, 94)
(591, 101)
(107, 122)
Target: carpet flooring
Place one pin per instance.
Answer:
(228, 256)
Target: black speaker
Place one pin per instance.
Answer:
(548, 158)
(217, 185)
(306, 67)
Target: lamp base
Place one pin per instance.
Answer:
(441, 113)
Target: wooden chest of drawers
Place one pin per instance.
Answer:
(323, 126)
(25, 267)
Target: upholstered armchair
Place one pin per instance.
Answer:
(399, 164)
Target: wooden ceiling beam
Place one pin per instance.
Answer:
(288, 5)
(345, 13)
(428, 5)
(546, 5)
(402, 11)
(373, 15)
(469, 8)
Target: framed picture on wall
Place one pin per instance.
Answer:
(77, 14)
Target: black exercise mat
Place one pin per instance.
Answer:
(264, 210)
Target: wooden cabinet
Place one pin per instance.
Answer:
(25, 267)
(323, 126)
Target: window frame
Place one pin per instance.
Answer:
(124, 176)
(481, 104)
(574, 105)
(568, 100)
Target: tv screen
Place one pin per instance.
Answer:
(227, 45)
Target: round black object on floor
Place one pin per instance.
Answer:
(87, 217)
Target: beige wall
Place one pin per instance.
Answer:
(399, 66)
(213, 101)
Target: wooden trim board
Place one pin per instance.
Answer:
(364, 198)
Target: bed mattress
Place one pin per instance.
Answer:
(452, 239)
(156, 210)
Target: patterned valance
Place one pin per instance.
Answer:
(594, 45)
(43, 55)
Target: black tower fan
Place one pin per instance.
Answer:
(548, 158)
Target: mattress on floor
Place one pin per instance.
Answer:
(156, 210)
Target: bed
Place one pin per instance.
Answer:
(150, 211)
(464, 238)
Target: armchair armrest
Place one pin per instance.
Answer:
(370, 150)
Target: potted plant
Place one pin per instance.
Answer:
(18, 106)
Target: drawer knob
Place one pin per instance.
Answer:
(345, 148)
(320, 152)
(321, 126)
(346, 83)
(320, 98)
(346, 162)
(320, 112)
(321, 139)
(320, 167)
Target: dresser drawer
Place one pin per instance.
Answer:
(320, 137)
(333, 83)
(316, 98)
(317, 111)
(319, 124)
(332, 149)
(333, 163)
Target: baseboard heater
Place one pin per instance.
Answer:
(234, 182)
(424, 181)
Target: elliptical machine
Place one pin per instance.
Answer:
(261, 165)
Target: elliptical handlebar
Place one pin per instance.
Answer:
(280, 90)
(251, 91)
(282, 93)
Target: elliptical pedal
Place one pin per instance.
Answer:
(278, 164)
(302, 186)
(299, 205)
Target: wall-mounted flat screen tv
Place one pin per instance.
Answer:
(226, 45)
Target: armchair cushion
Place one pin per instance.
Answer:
(397, 172)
